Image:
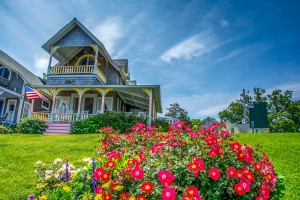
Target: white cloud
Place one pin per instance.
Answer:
(109, 32)
(201, 106)
(224, 23)
(230, 55)
(40, 65)
(195, 46)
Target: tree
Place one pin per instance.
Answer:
(259, 95)
(234, 113)
(176, 111)
(294, 112)
(278, 101)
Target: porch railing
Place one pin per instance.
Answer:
(59, 117)
(80, 69)
(41, 116)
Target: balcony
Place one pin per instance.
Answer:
(77, 70)
(4, 82)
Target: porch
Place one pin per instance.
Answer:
(70, 104)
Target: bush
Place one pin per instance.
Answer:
(116, 120)
(161, 124)
(183, 164)
(30, 126)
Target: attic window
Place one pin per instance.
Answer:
(87, 59)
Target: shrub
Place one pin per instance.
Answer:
(31, 126)
(161, 124)
(116, 120)
(3, 129)
(182, 164)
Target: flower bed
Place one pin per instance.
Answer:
(143, 164)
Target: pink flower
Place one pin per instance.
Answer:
(156, 148)
(168, 194)
(214, 173)
(137, 173)
(166, 178)
(192, 191)
(99, 190)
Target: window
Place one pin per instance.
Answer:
(46, 105)
(4, 72)
(87, 59)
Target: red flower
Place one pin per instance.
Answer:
(105, 176)
(141, 197)
(260, 197)
(191, 191)
(110, 164)
(231, 172)
(265, 192)
(257, 166)
(147, 187)
(241, 155)
(215, 150)
(97, 173)
(137, 173)
(166, 178)
(123, 196)
(239, 174)
(214, 173)
(168, 194)
(235, 146)
(246, 185)
(107, 196)
(239, 189)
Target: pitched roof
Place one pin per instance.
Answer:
(123, 63)
(65, 30)
(29, 77)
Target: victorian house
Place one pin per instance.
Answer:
(87, 81)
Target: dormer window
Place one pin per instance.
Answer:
(4, 72)
(87, 59)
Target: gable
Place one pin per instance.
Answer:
(76, 37)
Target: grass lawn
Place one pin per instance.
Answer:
(18, 153)
(283, 150)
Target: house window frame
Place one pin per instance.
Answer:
(83, 57)
(46, 108)
(4, 67)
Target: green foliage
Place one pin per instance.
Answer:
(161, 124)
(176, 111)
(116, 120)
(31, 126)
(3, 129)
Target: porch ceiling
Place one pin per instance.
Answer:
(130, 94)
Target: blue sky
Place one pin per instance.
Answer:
(202, 53)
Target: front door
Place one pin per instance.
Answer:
(10, 109)
(88, 105)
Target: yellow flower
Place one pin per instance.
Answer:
(131, 198)
(106, 185)
(98, 197)
(67, 189)
(56, 185)
(119, 187)
(44, 197)
(88, 177)
(42, 185)
(87, 197)
(73, 175)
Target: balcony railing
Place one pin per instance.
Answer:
(4, 82)
(80, 69)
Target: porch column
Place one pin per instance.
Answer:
(96, 59)
(21, 104)
(103, 93)
(50, 61)
(153, 111)
(53, 106)
(80, 93)
(149, 92)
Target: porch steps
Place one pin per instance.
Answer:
(58, 128)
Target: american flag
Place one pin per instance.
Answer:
(32, 94)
